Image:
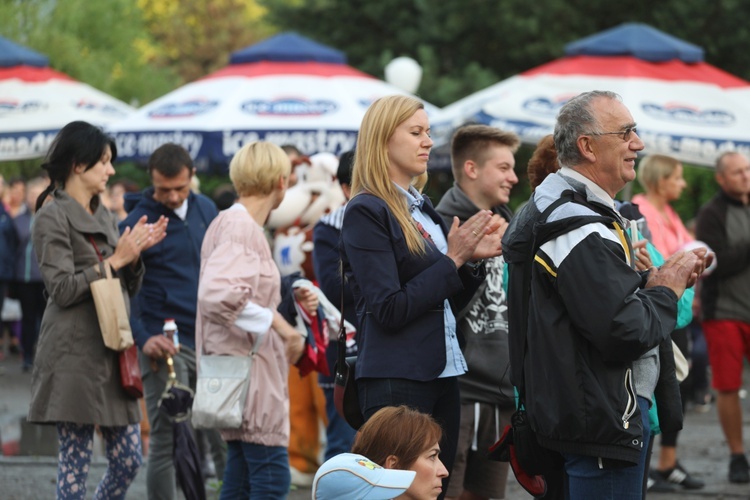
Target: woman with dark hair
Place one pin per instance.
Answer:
(398, 437)
(75, 382)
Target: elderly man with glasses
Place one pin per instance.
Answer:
(588, 333)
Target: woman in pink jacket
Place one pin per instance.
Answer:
(238, 294)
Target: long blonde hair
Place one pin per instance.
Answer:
(370, 172)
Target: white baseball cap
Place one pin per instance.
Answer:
(356, 477)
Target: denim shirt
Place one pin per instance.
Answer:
(455, 363)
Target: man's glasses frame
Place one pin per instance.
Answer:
(624, 134)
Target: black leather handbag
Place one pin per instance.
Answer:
(345, 396)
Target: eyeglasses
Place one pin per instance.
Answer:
(625, 134)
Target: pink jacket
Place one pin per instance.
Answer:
(236, 267)
(667, 235)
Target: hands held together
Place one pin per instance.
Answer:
(477, 238)
(681, 270)
(134, 240)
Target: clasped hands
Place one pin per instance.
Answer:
(477, 238)
(135, 240)
(681, 270)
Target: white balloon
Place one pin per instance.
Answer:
(405, 73)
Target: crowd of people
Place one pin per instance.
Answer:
(575, 314)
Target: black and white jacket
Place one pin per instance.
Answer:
(587, 318)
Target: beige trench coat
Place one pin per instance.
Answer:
(75, 377)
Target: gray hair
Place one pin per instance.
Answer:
(721, 164)
(575, 119)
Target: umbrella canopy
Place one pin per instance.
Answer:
(37, 101)
(683, 106)
(286, 90)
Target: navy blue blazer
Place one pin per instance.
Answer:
(399, 296)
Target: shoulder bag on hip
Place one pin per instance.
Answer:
(345, 396)
(221, 390)
(115, 326)
(110, 307)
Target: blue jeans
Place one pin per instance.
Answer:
(254, 471)
(438, 397)
(339, 434)
(586, 480)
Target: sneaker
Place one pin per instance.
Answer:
(657, 484)
(678, 475)
(738, 469)
(301, 479)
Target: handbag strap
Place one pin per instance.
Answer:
(98, 253)
(103, 270)
(341, 354)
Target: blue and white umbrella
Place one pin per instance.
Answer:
(286, 90)
(683, 106)
(37, 101)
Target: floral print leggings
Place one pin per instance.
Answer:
(76, 446)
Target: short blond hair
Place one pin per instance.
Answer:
(257, 167)
(654, 168)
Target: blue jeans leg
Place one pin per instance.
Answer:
(340, 435)
(586, 480)
(256, 472)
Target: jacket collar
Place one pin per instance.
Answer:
(145, 199)
(456, 202)
(84, 222)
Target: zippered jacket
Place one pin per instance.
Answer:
(724, 224)
(170, 285)
(587, 319)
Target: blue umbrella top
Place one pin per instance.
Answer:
(287, 47)
(638, 40)
(12, 54)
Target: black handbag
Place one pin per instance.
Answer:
(345, 396)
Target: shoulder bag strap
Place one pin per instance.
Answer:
(341, 354)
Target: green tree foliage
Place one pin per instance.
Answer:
(195, 37)
(94, 42)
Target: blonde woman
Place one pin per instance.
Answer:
(238, 292)
(409, 273)
(661, 178)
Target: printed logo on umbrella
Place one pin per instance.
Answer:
(289, 106)
(184, 109)
(683, 113)
(88, 105)
(8, 106)
(546, 106)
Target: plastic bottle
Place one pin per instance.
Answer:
(170, 331)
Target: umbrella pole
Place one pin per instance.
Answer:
(172, 380)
